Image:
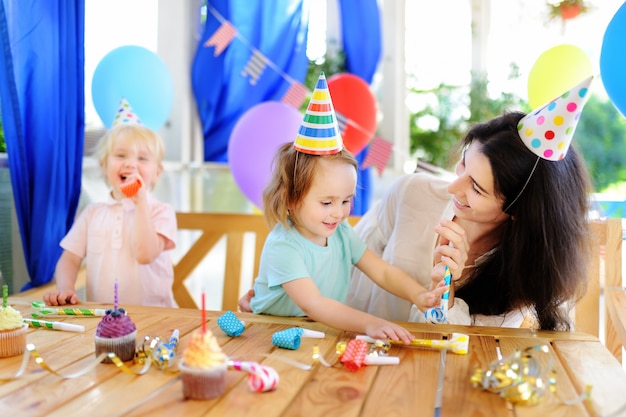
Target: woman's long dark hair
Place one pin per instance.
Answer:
(543, 256)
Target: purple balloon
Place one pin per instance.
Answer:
(253, 143)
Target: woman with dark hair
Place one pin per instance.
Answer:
(511, 228)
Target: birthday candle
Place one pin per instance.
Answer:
(203, 314)
(55, 325)
(5, 295)
(115, 298)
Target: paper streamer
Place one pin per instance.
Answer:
(230, 324)
(32, 351)
(260, 378)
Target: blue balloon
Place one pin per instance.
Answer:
(613, 60)
(140, 76)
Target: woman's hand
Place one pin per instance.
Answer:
(452, 250)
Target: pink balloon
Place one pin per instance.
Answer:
(253, 143)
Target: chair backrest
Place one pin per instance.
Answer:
(605, 272)
(213, 227)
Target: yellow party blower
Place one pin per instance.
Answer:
(458, 343)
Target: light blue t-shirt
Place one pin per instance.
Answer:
(287, 256)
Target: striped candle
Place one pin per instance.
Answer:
(5, 295)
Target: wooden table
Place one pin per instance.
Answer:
(407, 389)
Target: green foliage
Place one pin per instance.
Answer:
(434, 129)
(600, 135)
(601, 138)
(441, 123)
(331, 63)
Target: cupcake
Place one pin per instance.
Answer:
(203, 367)
(116, 333)
(12, 332)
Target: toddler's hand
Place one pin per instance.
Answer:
(382, 329)
(432, 298)
(60, 298)
(244, 302)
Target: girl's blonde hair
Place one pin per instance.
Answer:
(139, 134)
(292, 177)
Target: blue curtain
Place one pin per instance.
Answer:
(362, 46)
(278, 29)
(42, 96)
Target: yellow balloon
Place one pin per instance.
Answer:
(556, 71)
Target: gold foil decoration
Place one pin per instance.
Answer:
(521, 379)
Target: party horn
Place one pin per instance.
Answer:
(40, 309)
(354, 355)
(290, 338)
(458, 343)
(55, 325)
(261, 378)
(131, 188)
(445, 297)
(230, 324)
(164, 353)
(381, 360)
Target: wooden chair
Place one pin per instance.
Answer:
(214, 226)
(605, 272)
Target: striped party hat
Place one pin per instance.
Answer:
(319, 132)
(125, 114)
(548, 131)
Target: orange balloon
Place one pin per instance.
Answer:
(353, 99)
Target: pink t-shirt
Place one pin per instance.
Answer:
(103, 236)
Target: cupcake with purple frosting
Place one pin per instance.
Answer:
(116, 333)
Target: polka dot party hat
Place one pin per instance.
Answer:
(319, 132)
(125, 114)
(548, 131)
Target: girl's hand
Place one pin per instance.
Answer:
(382, 329)
(452, 250)
(60, 298)
(244, 302)
(432, 298)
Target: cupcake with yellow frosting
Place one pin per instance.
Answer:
(12, 332)
(203, 367)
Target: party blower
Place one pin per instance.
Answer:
(39, 309)
(458, 343)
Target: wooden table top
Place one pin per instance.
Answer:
(407, 389)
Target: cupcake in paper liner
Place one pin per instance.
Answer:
(12, 332)
(203, 367)
(116, 333)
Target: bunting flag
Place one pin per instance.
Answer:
(342, 121)
(221, 38)
(255, 66)
(378, 154)
(295, 94)
(379, 150)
